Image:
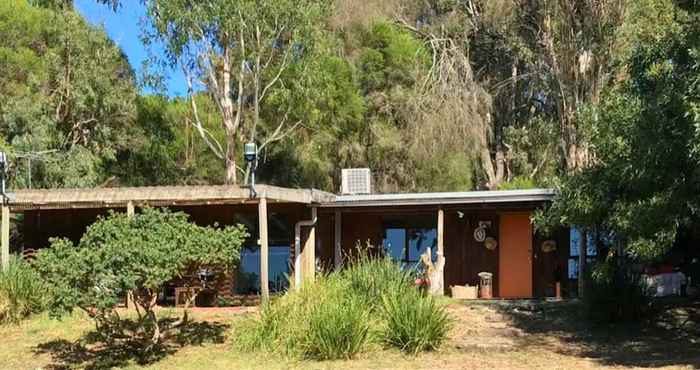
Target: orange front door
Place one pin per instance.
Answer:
(515, 256)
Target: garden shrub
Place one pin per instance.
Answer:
(321, 321)
(339, 327)
(22, 291)
(137, 255)
(336, 316)
(615, 292)
(414, 322)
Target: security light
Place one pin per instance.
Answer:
(3, 162)
(250, 152)
(3, 176)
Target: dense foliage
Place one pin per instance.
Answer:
(338, 315)
(121, 255)
(640, 191)
(22, 292)
(642, 185)
(446, 95)
(68, 93)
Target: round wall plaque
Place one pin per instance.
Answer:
(490, 243)
(549, 246)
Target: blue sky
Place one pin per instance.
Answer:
(123, 26)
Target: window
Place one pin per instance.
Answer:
(408, 244)
(247, 280)
(591, 252)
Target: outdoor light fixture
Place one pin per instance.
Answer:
(250, 153)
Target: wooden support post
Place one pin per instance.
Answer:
(264, 254)
(5, 245)
(309, 256)
(441, 232)
(437, 281)
(338, 239)
(130, 208)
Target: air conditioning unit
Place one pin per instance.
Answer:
(356, 181)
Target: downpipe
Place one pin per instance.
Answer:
(297, 246)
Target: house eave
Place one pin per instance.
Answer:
(442, 198)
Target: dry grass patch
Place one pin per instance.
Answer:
(485, 336)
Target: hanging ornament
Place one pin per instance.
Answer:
(549, 246)
(490, 243)
(480, 233)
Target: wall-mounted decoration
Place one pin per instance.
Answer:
(490, 243)
(480, 232)
(549, 246)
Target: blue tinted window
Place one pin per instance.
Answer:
(419, 242)
(248, 279)
(395, 243)
(574, 240)
(408, 244)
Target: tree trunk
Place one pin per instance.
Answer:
(494, 171)
(231, 159)
(434, 272)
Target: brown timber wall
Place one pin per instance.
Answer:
(464, 256)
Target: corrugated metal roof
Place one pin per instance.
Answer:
(464, 197)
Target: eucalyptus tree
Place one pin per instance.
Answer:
(249, 56)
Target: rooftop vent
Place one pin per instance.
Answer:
(356, 181)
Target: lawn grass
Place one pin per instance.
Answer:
(486, 335)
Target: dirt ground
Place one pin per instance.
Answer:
(553, 335)
(486, 335)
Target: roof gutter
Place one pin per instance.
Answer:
(411, 200)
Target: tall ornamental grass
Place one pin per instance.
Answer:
(413, 322)
(22, 292)
(318, 322)
(371, 278)
(337, 316)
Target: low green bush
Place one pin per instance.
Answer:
(339, 326)
(615, 293)
(137, 255)
(22, 292)
(319, 322)
(414, 322)
(335, 317)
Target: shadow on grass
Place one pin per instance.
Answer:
(91, 351)
(671, 338)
